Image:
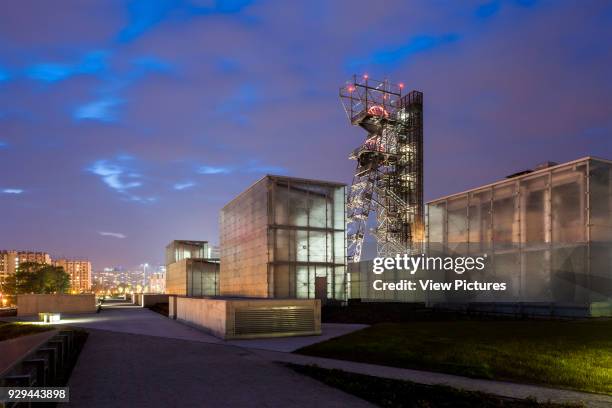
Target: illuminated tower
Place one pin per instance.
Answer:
(388, 181)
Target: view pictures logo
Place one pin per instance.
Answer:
(412, 264)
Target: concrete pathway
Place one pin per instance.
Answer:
(126, 318)
(129, 370)
(506, 389)
(161, 356)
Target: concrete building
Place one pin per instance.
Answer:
(80, 273)
(283, 251)
(190, 271)
(285, 238)
(178, 250)
(10, 260)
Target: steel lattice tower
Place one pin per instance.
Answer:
(388, 181)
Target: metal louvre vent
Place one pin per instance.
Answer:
(264, 320)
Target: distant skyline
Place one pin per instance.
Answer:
(125, 125)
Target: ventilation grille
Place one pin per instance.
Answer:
(264, 320)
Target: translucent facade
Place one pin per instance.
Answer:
(189, 269)
(547, 233)
(285, 238)
(180, 249)
(193, 277)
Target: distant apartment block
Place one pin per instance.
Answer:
(79, 271)
(10, 260)
(157, 282)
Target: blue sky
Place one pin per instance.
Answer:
(124, 125)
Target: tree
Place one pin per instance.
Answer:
(33, 277)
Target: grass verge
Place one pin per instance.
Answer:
(404, 394)
(10, 330)
(566, 354)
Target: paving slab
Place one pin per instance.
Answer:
(131, 370)
(135, 320)
(126, 318)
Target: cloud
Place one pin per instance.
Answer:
(184, 185)
(105, 107)
(255, 167)
(141, 200)
(119, 174)
(214, 170)
(392, 56)
(227, 66)
(239, 103)
(151, 64)
(4, 75)
(112, 234)
(488, 9)
(101, 110)
(252, 166)
(12, 191)
(115, 174)
(144, 15)
(92, 63)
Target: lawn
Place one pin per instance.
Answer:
(12, 330)
(565, 354)
(386, 392)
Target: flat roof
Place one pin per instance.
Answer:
(520, 177)
(286, 178)
(187, 241)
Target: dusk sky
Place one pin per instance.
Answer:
(124, 125)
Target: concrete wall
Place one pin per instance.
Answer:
(208, 314)
(150, 299)
(244, 244)
(28, 305)
(176, 278)
(219, 316)
(172, 299)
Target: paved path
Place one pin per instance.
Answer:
(138, 320)
(130, 370)
(134, 327)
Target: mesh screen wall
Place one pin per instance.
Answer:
(181, 249)
(547, 234)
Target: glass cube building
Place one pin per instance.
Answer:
(184, 249)
(190, 271)
(547, 233)
(285, 238)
